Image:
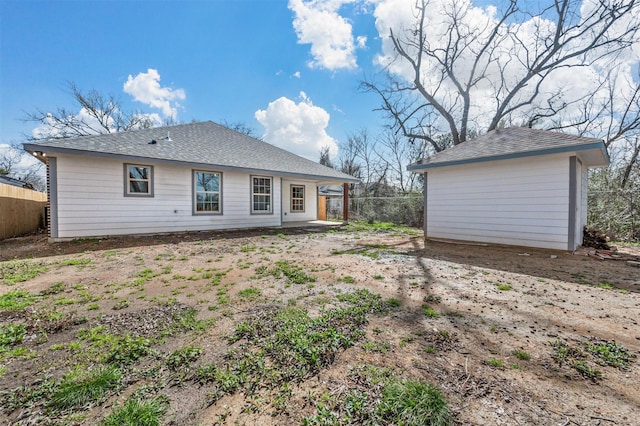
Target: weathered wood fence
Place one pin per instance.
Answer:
(21, 210)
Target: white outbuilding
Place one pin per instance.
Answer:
(516, 186)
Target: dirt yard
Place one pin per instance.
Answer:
(510, 336)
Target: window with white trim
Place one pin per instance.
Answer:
(138, 180)
(261, 191)
(297, 198)
(207, 192)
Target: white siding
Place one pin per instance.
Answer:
(310, 202)
(519, 201)
(91, 201)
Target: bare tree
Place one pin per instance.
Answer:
(325, 157)
(398, 153)
(481, 74)
(240, 127)
(98, 114)
(11, 158)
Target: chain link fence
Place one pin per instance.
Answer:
(616, 213)
(400, 210)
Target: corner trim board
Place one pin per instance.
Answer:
(53, 197)
(571, 230)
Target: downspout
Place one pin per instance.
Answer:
(424, 205)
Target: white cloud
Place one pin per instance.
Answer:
(145, 88)
(297, 127)
(297, 74)
(317, 22)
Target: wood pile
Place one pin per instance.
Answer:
(595, 239)
(598, 254)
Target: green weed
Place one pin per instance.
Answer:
(393, 302)
(11, 334)
(522, 355)
(609, 353)
(183, 357)
(493, 362)
(429, 312)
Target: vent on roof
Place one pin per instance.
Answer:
(153, 142)
(168, 138)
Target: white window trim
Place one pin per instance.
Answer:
(259, 212)
(194, 193)
(128, 180)
(304, 190)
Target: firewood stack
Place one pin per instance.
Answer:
(595, 239)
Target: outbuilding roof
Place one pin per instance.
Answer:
(516, 142)
(203, 144)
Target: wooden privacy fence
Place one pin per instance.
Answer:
(21, 210)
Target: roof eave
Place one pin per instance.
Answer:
(33, 148)
(596, 147)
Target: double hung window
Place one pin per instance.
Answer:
(297, 199)
(261, 194)
(207, 192)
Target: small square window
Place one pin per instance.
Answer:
(138, 180)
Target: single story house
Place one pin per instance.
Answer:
(188, 177)
(516, 186)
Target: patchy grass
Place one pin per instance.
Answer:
(293, 274)
(83, 387)
(79, 262)
(16, 271)
(250, 293)
(382, 398)
(16, 299)
(138, 412)
(414, 403)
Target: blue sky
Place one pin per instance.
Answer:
(289, 69)
(228, 59)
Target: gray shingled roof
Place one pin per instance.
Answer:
(202, 144)
(515, 142)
